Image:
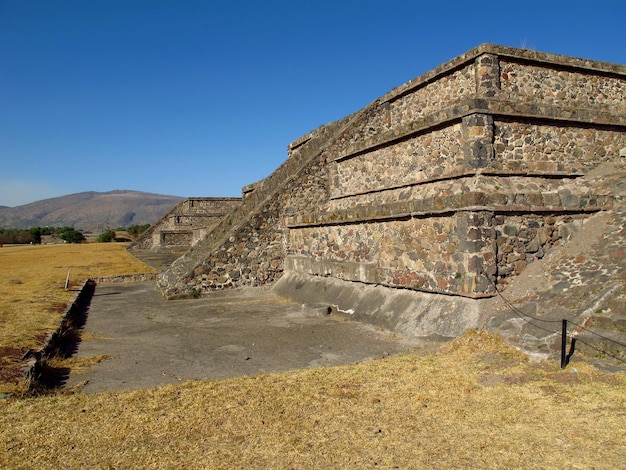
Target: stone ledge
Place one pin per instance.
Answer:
(459, 175)
(444, 206)
(594, 117)
(213, 199)
(513, 54)
(362, 272)
(366, 274)
(299, 142)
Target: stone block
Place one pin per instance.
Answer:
(512, 257)
(473, 234)
(569, 200)
(535, 199)
(510, 230)
(520, 266)
(475, 264)
(532, 246)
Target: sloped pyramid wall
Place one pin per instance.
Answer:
(452, 183)
(248, 246)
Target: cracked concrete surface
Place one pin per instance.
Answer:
(153, 342)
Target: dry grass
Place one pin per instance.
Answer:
(477, 404)
(33, 296)
(32, 284)
(79, 365)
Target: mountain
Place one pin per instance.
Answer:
(90, 211)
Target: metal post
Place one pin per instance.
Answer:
(564, 344)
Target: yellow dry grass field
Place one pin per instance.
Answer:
(475, 404)
(32, 288)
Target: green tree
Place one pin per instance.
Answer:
(71, 235)
(35, 232)
(135, 230)
(106, 236)
(19, 236)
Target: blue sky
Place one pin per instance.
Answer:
(199, 98)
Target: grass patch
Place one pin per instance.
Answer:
(80, 365)
(409, 411)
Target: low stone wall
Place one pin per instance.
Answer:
(126, 278)
(412, 315)
(62, 341)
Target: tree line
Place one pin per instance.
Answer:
(33, 235)
(68, 234)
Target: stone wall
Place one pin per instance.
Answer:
(61, 343)
(549, 148)
(415, 160)
(432, 253)
(136, 277)
(564, 83)
(456, 181)
(451, 183)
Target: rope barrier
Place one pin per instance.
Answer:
(565, 356)
(599, 335)
(601, 351)
(523, 315)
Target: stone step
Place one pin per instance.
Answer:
(161, 259)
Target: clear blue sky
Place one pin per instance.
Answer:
(199, 98)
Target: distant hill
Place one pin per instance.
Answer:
(90, 211)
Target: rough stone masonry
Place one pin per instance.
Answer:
(189, 221)
(452, 183)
